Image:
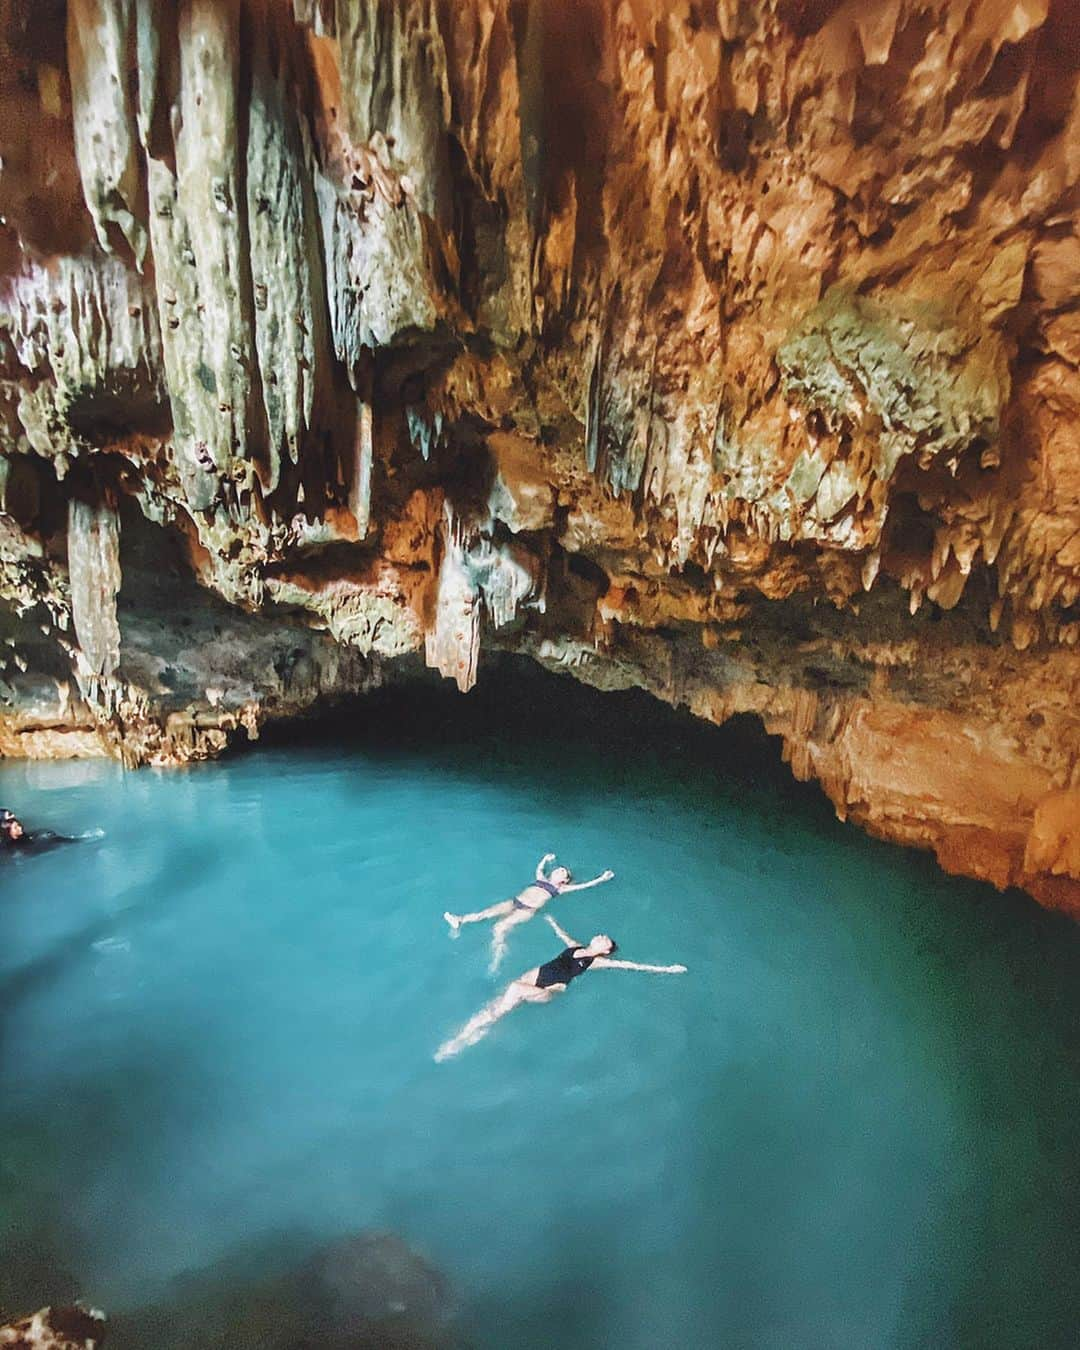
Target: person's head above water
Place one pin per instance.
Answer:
(560, 876)
(11, 826)
(601, 945)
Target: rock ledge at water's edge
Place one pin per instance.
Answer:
(56, 1329)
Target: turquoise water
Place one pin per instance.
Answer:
(854, 1123)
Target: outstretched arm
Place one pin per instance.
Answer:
(570, 942)
(542, 865)
(606, 963)
(584, 885)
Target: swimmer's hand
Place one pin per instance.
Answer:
(584, 885)
(454, 922)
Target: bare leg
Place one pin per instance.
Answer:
(492, 912)
(500, 933)
(476, 1028)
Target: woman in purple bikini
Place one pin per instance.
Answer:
(528, 902)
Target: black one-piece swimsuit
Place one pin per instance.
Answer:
(564, 968)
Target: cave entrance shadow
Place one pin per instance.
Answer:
(518, 710)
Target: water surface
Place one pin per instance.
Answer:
(854, 1123)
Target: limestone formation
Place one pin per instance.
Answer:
(56, 1329)
(728, 349)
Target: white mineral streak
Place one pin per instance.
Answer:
(94, 570)
(99, 33)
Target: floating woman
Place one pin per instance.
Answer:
(525, 904)
(542, 983)
(14, 836)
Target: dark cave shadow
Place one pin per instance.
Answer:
(523, 720)
(519, 712)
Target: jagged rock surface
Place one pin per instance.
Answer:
(726, 349)
(56, 1329)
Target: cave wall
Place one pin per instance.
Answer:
(724, 349)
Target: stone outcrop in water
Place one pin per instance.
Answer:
(366, 1291)
(56, 1329)
(725, 349)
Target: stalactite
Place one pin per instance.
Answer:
(360, 487)
(99, 35)
(286, 271)
(208, 194)
(452, 644)
(93, 542)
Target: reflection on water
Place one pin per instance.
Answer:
(854, 1123)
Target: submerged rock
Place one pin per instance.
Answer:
(369, 1291)
(56, 1329)
(373, 1289)
(731, 351)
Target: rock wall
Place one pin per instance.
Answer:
(56, 1329)
(729, 349)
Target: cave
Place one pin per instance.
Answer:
(662, 413)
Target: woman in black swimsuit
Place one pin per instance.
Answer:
(542, 983)
(13, 836)
(528, 902)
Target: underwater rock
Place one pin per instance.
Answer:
(368, 1291)
(56, 1329)
(729, 351)
(373, 1289)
